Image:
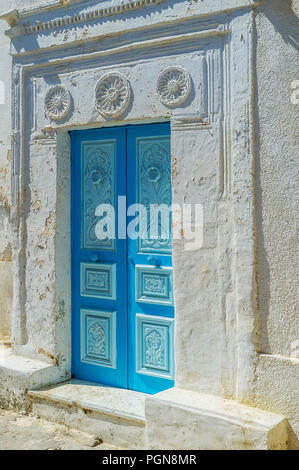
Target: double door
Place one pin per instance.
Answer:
(122, 282)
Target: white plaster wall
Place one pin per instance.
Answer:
(6, 287)
(277, 376)
(5, 156)
(277, 67)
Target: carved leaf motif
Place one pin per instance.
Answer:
(154, 349)
(154, 187)
(96, 339)
(98, 188)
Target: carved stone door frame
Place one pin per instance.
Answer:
(60, 61)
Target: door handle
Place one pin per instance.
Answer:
(94, 257)
(154, 260)
(131, 260)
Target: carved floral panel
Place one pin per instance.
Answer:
(98, 337)
(154, 188)
(98, 187)
(155, 346)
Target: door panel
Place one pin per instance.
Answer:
(99, 280)
(153, 180)
(122, 288)
(153, 286)
(150, 302)
(98, 186)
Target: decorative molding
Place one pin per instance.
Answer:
(153, 285)
(96, 55)
(98, 280)
(12, 18)
(174, 86)
(203, 94)
(18, 218)
(154, 185)
(113, 95)
(225, 124)
(79, 18)
(155, 346)
(98, 337)
(45, 136)
(186, 122)
(58, 103)
(98, 185)
(47, 5)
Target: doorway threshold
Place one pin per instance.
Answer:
(114, 414)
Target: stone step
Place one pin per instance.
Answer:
(112, 414)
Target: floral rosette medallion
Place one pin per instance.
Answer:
(113, 95)
(174, 86)
(57, 103)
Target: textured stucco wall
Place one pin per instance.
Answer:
(276, 385)
(5, 156)
(277, 67)
(6, 288)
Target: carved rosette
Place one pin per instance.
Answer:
(57, 102)
(113, 95)
(174, 86)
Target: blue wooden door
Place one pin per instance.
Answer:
(150, 296)
(99, 279)
(122, 290)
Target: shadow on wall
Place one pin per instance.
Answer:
(283, 15)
